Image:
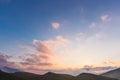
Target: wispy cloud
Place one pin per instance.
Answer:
(79, 36)
(41, 47)
(109, 62)
(106, 18)
(93, 25)
(59, 41)
(97, 70)
(55, 25)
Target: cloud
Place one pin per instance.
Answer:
(41, 47)
(56, 43)
(92, 25)
(35, 63)
(105, 18)
(4, 60)
(62, 40)
(41, 55)
(99, 35)
(97, 70)
(55, 25)
(109, 62)
(79, 36)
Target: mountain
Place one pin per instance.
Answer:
(113, 74)
(88, 76)
(54, 76)
(27, 76)
(7, 76)
(50, 76)
(9, 69)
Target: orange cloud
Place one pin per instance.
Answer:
(41, 47)
(62, 40)
(116, 63)
(56, 43)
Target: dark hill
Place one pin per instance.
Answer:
(7, 76)
(88, 76)
(27, 76)
(50, 76)
(54, 76)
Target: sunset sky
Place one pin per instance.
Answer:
(64, 36)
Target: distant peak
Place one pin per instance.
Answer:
(117, 69)
(49, 73)
(114, 70)
(9, 69)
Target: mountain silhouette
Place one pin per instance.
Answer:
(113, 74)
(8, 76)
(89, 76)
(54, 76)
(50, 76)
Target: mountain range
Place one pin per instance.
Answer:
(53, 76)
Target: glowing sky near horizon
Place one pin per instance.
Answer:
(52, 35)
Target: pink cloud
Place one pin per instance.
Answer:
(43, 53)
(55, 25)
(105, 18)
(41, 47)
(41, 57)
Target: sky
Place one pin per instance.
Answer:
(62, 36)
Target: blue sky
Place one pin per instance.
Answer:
(65, 27)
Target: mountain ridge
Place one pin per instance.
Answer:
(50, 76)
(9, 69)
(113, 73)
